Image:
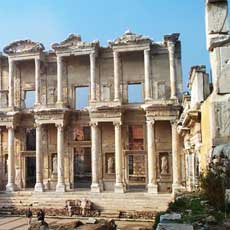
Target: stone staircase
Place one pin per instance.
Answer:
(108, 203)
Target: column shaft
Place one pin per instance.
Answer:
(94, 155)
(11, 161)
(119, 187)
(147, 74)
(59, 81)
(60, 161)
(39, 187)
(92, 76)
(152, 184)
(116, 76)
(172, 67)
(175, 161)
(37, 81)
(11, 84)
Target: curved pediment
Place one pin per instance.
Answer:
(130, 38)
(23, 46)
(73, 42)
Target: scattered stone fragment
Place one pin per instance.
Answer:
(169, 216)
(91, 220)
(211, 220)
(172, 226)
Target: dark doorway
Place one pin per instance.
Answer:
(30, 172)
(82, 167)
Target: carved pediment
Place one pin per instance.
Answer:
(130, 38)
(73, 42)
(23, 46)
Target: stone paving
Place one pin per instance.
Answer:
(20, 223)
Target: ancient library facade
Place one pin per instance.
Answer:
(82, 116)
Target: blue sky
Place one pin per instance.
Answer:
(50, 21)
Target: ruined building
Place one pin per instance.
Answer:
(204, 124)
(87, 116)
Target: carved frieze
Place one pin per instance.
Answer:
(23, 46)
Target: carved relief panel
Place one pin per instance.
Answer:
(224, 70)
(222, 118)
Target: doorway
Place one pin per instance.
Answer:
(82, 167)
(30, 172)
(136, 170)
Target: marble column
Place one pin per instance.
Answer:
(152, 161)
(10, 187)
(37, 81)
(39, 187)
(1, 157)
(175, 161)
(119, 187)
(93, 76)
(59, 81)
(11, 84)
(116, 60)
(95, 187)
(60, 159)
(147, 74)
(172, 67)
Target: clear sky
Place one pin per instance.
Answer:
(50, 21)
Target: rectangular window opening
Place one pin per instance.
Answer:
(81, 97)
(30, 139)
(136, 137)
(135, 93)
(29, 98)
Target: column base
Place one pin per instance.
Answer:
(152, 188)
(119, 188)
(173, 97)
(39, 187)
(10, 187)
(36, 105)
(60, 104)
(60, 187)
(176, 188)
(95, 187)
(148, 99)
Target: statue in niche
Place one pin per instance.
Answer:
(111, 165)
(164, 165)
(54, 164)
